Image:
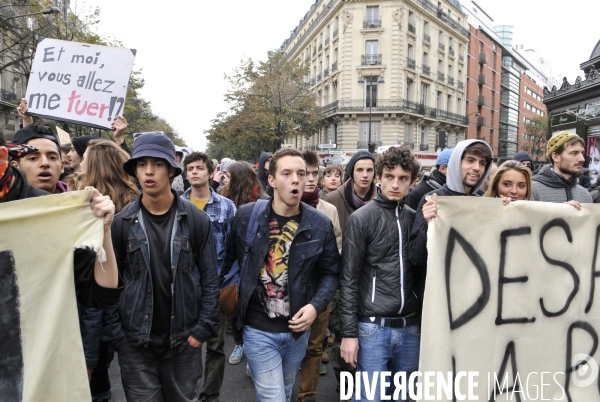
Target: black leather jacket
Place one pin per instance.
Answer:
(312, 266)
(374, 281)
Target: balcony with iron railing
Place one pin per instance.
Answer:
(410, 63)
(319, 77)
(450, 51)
(426, 69)
(312, 81)
(432, 8)
(480, 121)
(320, 46)
(334, 67)
(450, 80)
(423, 147)
(370, 59)
(481, 100)
(392, 105)
(300, 40)
(461, 58)
(441, 77)
(327, 41)
(326, 73)
(441, 47)
(7, 96)
(372, 23)
(365, 144)
(411, 28)
(482, 79)
(335, 32)
(483, 58)
(461, 85)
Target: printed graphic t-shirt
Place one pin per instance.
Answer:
(269, 307)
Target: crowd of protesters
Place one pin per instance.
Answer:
(327, 256)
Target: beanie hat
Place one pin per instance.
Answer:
(523, 157)
(358, 156)
(152, 145)
(559, 139)
(444, 157)
(33, 131)
(81, 143)
(225, 164)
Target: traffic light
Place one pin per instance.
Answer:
(371, 147)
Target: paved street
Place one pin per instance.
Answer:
(236, 386)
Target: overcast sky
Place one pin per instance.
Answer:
(185, 48)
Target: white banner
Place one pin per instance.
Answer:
(41, 353)
(511, 304)
(78, 82)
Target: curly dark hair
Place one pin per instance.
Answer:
(398, 156)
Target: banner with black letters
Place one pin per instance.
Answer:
(41, 352)
(512, 300)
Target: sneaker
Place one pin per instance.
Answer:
(237, 355)
(322, 369)
(248, 373)
(325, 357)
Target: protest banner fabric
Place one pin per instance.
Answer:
(78, 82)
(41, 354)
(513, 289)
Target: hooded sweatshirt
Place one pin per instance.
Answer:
(550, 186)
(263, 177)
(417, 249)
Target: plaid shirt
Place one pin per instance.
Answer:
(221, 211)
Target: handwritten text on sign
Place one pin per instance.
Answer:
(511, 295)
(80, 83)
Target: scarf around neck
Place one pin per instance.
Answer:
(311, 199)
(353, 199)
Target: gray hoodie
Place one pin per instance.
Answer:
(454, 175)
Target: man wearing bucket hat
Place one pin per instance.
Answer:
(557, 182)
(167, 258)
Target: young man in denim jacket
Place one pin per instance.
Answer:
(170, 306)
(289, 277)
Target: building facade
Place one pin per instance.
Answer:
(576, 108)
(483, 87)
(385, 72)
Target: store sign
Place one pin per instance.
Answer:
(561, 119)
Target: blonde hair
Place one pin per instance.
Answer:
(105, 172)
(492, 190)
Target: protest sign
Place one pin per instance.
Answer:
(41, 353)
(511, 309)
(78, 82)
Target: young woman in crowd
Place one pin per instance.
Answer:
(332, 179)
(242, 188)
(511, 182)
(102, 167)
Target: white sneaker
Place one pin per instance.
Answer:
(237, 355)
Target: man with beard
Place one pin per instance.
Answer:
(557, 182)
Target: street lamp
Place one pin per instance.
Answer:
(361, 80)
(46, 11)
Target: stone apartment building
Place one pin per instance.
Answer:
(385, 72)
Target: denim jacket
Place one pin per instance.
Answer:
(312, 266)
(195, 287)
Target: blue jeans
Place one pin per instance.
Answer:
(274, 360)
(147, 379)
(387, 349)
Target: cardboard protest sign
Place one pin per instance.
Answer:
(511, 308)
(41, 354)
(78, 82)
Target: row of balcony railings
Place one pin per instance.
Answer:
(410, 63)
(7, 96)
(372, 23)
(434, 9)
(313, 24)
(370, 59)
(385, 105)
(365, 144)
(426, 69)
